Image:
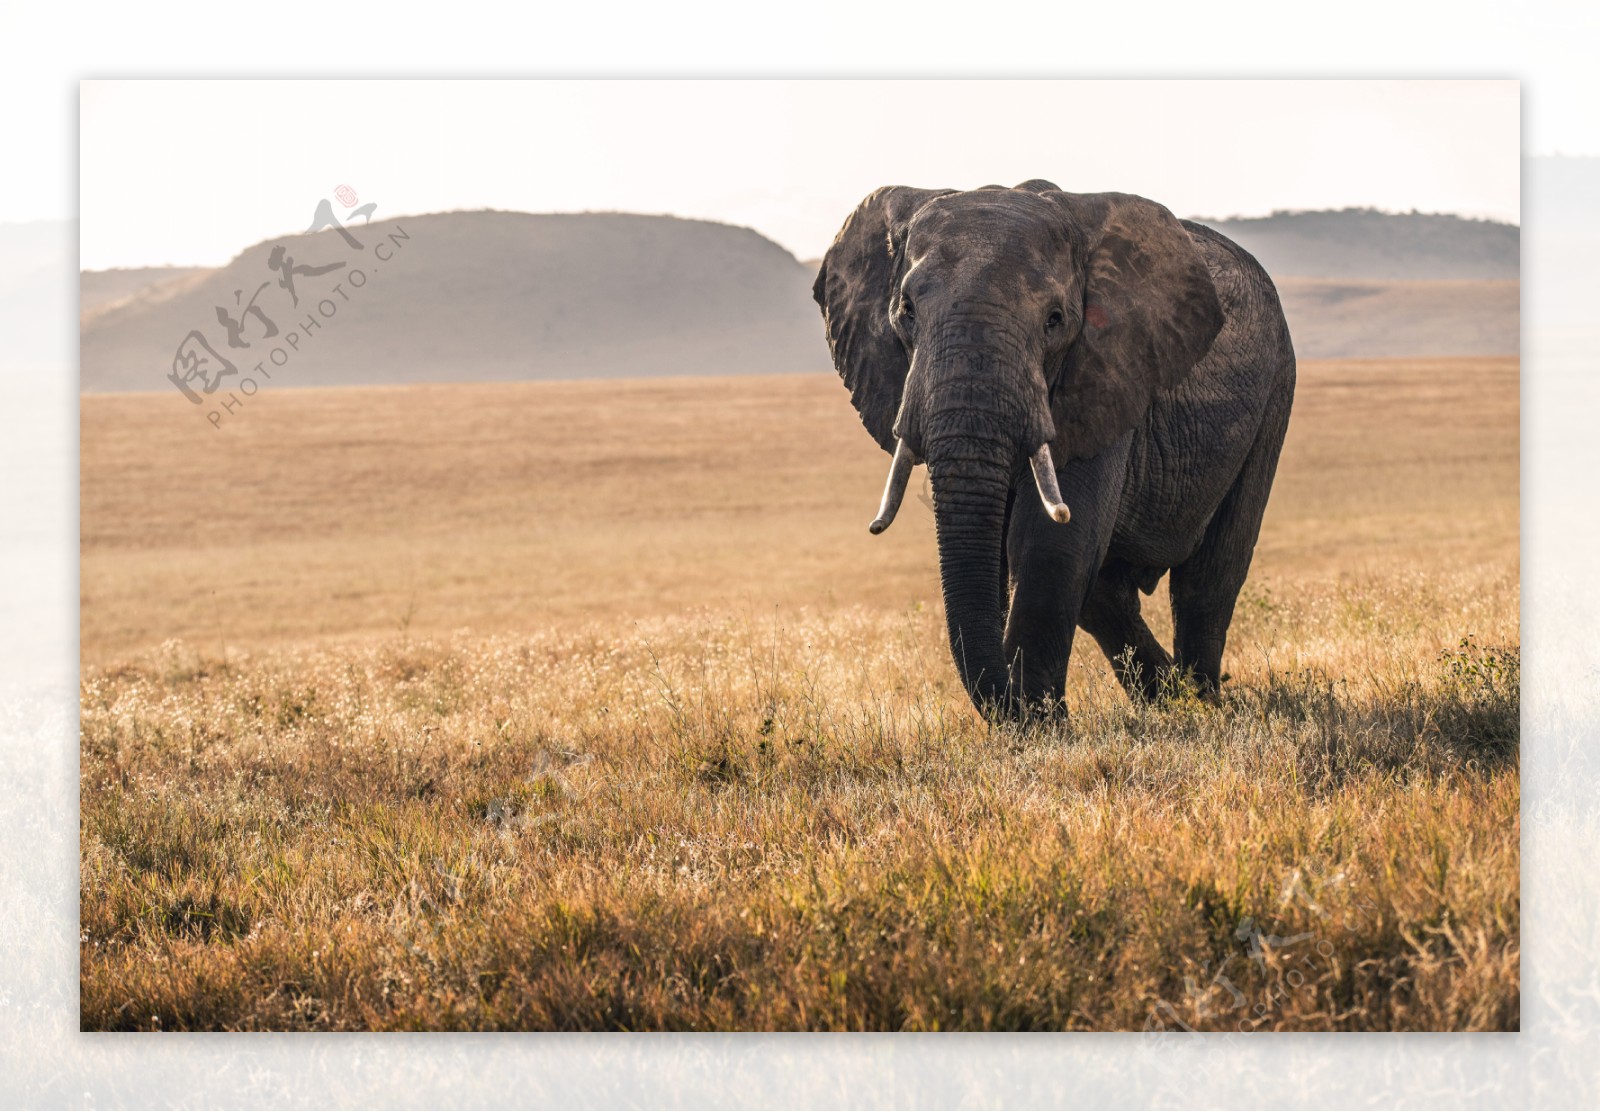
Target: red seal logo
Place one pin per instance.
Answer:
(346, 195)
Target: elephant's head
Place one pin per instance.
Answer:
(990, 330)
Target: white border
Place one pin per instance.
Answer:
(44, 1061)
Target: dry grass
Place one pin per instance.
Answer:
(705, 764)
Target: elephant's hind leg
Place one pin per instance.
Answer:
(1206, 586)
(1111, 616)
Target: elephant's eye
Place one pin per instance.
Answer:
(1054, 320)
(908, 310)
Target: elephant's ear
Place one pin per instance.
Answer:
(1150, 313)
(855, 286)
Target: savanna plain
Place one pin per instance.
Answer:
(593, 705)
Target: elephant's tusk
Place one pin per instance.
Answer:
(895, 489)
(1044, 477)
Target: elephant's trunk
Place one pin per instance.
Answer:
(971, 480)
(974, 413)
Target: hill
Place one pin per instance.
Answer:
(499, 296)
(484, 296)
(1358, 283)
(1337, 318)
(1366, 243)
(98, 289)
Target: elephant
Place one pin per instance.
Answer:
(1135, 370)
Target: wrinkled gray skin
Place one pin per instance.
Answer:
(1149, 353)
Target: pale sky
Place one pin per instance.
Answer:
(191, 172)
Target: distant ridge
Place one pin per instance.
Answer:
(1348, 318)
(501, 296)
(1367, 243)
(485, 296)
(100, 288)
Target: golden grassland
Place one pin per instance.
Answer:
(593, 705)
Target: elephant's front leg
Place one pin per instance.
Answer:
(1052, 570)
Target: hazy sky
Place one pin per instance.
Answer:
(190, 172)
